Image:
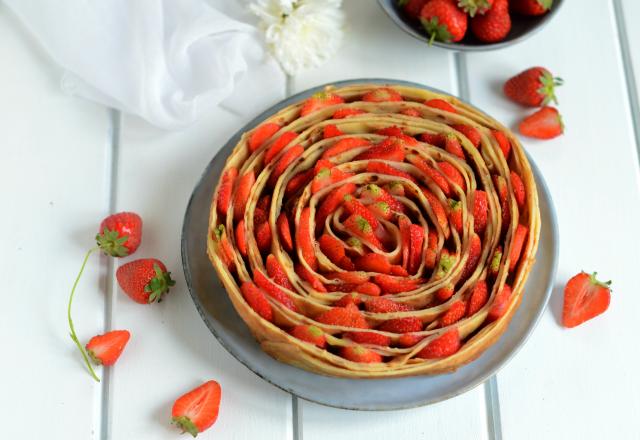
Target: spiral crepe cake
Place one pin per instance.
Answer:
(375, 231)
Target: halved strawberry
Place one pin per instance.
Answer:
(475, 249)
(392, 130)
(309, 277)
(546, 123)
(344, 145)
(304, 239)
(381, 210)
(297, 182)
(263, 237)
(369, 289)
(435, 175)
(373, 193)
(284, 232)
(355, 206)
(480, 211)
(390, 284)
(368, 338)
(311, 334)
(259, 216)
(273, 290)
(407, 340)
(223, 247)
(399, 271)
(331, 203)
(444, 345)
(401, 325)
(330, 131)
(478, 298)
(584, 298)
(360, 227)
(261, 134)
(416, 238)
(383, 168)
(279, 145)
(455, 215)
(197, 410)
(346, 112)
(391, 149)
(432, 250)
(242, 194)
(452, 146)
(264, 203)
(372, 262)
(332, 248)
(503, 142)
(257, 300)
(519, 238)
(290, 155)
(455, 313)
(440, 104)
(469, 132)
(326, 176)
(500, 303)
(350, 298)
(385, 305)
(435, 139)
(494, 264)
(404, 224)
(453, 174)
(319, 101)
(356, 353)
(352, 277)
(224, 192)
(348, 316)
(382, 94)
(106, 349)
(438, 211)
(277, 273)
(395, 188)
(518, 189)
(241, 239)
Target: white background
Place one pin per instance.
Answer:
(66, 163)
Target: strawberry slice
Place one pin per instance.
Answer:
(373, 193)
(278, 145)
(356, 353)
(478, 298)
(475, 250)
(348, 316)
(503, 142)
(369, 289)
(242, 194)
(224, 192)
(264, 203)
(494, 265)
(518, 188)
(389, 149)
(304, 239)
(469, 132)
(351, 298)
(352, 277)
(480, 211)
(452, 146)
(413, 112)
(355, 206)
(287, 159)
(360, 227)
(392, 130)
(381, 210)
(407, 340)
(440, 104)
(319, 101)
(263, 237)
(435, 139)
(372, 262)
(309, 277)
(331, 203)
(257, 300)
(241, 238)
(273, 290)
(385, 305)
(401, 325)
(197, 410)
(106, 349)
(332, 248)
(416, 238)
(435, 175)
(399, 271)
(455, 313)
(516, 248)
(453, 174)
(297, 182)
(327, 175)
(284, 232)
(390, 284)
(383, 168)
(584, 298)
(455, 215)
(546, 123)
(432, 250)
(368, 338)
(277, 273)
(500, 303)
(382, 94)
(444, 345)
(346, 112)
(344, 145)
(311, 334)
(223, 247)
(395, 188)
(262, 134)
(330, 131)
(404, 224)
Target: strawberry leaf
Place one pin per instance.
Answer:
(159, 285)
(112, 244)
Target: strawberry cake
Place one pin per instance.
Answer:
(375, 231)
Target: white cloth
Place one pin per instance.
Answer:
(167, 61)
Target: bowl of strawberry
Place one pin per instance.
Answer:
(471, 25)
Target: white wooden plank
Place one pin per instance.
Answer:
(375, 48)
(54, 186)
(628, 12)
(578, 383)
(171, 348)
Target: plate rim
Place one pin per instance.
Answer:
(543, 190)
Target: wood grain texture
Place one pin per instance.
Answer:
(52, 144)
(578, 383)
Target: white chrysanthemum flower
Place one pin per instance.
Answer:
(301, 33)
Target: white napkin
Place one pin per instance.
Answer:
(167, 61)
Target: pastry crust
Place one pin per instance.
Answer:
(476, 332)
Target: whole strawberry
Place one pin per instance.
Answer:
(144, 280)
(546, 123)
(531, 7)
(443, 21)
(412, 7)
(584, 298)
(473, 7)
(106, 349)
(534, 87)
(494, 25)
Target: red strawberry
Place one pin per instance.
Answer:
(372, 262)
(344, 145)
(443, 21)
(241, 239)
(390, 284)
(298, 181)
(407, 340)
(446, 344)
(440, 104)
(519, 238)
(435, 139)
(401, 325)
(369, 289)
(584, 298)
(223, 247)
(475, 249)
(332, 248)
(331, 203)
(360, 354)
(435, 175)
(262, 134)
(382, 94)
(309, 277)
(438, 211)
(534, 87)
(413, 112)
(546, 123)
(389, 149)
(455, 313)
(503, 142)
(263, 237)
(374, 193)
(242, 194)
(355, 206)
(404, 224)
(353, 277)
(346, 112)
(393, 130)
(284, 232)
(494, 265)
(330, 131)
(412, 7)
(304, 239)
(478, 298)
(357, 225)
(277, 273)
(381, 210)
(501, 186)
(283, 163)
(500, 303)
(432, 250)
(257, 300)
(350, 298)
(278, 145)
(455, 215)
(473, 7)
(144, 280)
(120, 234)
(416, 238)
(259, 216)
(106, 349)
(469, 132)
(311, 334)
(273, 290)
(326, 176)
(480, 211)
(447, 261)
(395, 188)
(453, 174)
(452, 145)
(383, 168)
(348, 316)
(225, 189)
(531, 7)
(384, 305)
(494, 25)
(369, 338)
(518, 188)
(319, 101)
(197, 410)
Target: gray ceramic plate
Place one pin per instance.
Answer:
(218, 313)
(521, 28)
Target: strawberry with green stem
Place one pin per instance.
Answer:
(119, 235)
(533, 87)
(198, 409)
(145, 280)
(443, 21)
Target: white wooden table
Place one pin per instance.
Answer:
(66, 163)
